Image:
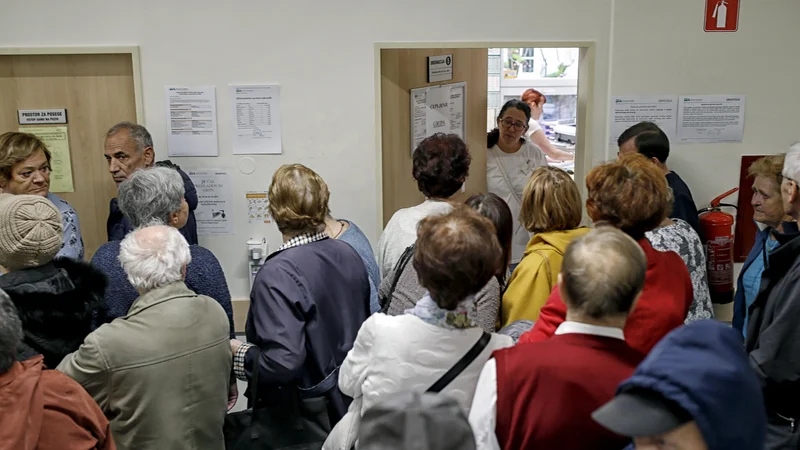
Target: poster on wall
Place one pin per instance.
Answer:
(57, 141)
(257, 208)
(256, 114)
(710, 118)
(627, 111)
(214, 213)
(191, 121)
(437, 109)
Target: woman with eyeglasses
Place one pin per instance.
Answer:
(510, 162)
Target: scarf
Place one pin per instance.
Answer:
(463, 316)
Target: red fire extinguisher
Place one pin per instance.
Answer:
(717, 228)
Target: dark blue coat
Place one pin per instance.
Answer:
(739, 304)
(306, 307)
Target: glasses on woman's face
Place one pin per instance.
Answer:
(513, 124)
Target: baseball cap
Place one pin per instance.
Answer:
(640, 413)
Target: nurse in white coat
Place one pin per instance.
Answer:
(510, 162)
(535, 133)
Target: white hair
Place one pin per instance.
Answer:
(154, 256)
(791, 164)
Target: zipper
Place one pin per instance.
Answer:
(792, 422)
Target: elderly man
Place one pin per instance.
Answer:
(542, 394)
(129, 147)
(160, 373)
(773, 337)
(43, 409)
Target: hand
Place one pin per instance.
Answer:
(233, 394)
(235, 344)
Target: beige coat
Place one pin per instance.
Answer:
(161, 373)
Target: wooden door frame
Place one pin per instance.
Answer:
(586, 98)
(132, 50)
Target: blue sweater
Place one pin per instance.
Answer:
(204, 276)
(356, 238)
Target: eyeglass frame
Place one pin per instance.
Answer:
(515, 125)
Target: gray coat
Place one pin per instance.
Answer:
(160, 374)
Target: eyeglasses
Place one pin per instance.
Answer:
(516, 126)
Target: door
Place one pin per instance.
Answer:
(403, 70)
(97, 91)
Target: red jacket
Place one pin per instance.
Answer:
(547, 391)
(662, 307)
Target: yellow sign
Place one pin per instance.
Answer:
(57, 141)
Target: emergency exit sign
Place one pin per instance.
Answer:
(40, 116)
(722, 15)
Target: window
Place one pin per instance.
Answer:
(541, 62)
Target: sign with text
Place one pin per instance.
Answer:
(440, 68)
(722, 15)
(39, 116)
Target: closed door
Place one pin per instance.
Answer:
(97, 90)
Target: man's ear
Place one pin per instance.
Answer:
(183, 271)
(561, 287)
(149, 156)
(793, 194)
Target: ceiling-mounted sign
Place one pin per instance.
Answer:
(722, 15)
(440, 68)
(40, 116)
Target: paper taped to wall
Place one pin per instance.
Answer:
(192, 121)
(257, 207)
(711, 118)
(57, 141)
(437, 109)
(627, 111)
(214, 213)
(256, 113)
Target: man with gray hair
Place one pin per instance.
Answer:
(128, 148)
(773, 334)
(542, 394)
(43, 408)
(160, 373)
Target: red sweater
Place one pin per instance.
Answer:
(547, 391)
(662, 307)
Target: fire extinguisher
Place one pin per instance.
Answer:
(717, 228)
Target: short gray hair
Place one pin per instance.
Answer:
(154, 256)
(791, 164)
(138, 133)
(10, 332)
(151, 195)
(603, 273)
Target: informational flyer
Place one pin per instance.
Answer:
(57, 141)
(257, 207)
(437, 109)
(192, 121)
(627, 111)
(711, 118)
(256, 120)
(214, 213)
(437, 113)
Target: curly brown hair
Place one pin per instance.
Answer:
(441, 165)
(630, 194)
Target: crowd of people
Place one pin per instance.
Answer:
(502, 322)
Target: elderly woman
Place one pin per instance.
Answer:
(307, 304)
(551, 209)
(631, 194)
(401, 290)
(455, 256)
(56, 298)
(154, 196)
(25, 169)
(441, 165)
(768, 213)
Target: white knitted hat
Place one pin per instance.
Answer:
(30, 231)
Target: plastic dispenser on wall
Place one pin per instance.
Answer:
(256, 256)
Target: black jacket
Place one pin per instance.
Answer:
(773, 334)
(683, 206)
(55, 303)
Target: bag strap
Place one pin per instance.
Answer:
(505, 176)
(408, 253)
(254, 380)
(462, 363)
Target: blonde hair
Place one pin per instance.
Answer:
(17, 147)
(769, 167)
(550, 202)
(298, 200)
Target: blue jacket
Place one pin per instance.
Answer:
(358, 240)
(703, 368)
(739, 305)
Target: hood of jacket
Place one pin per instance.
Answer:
(23, 405)
(704, 369)
(56, 303)
(554, 240)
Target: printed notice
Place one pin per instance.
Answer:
(629, 110)
(437, 118)
(437, 109)
(192, 121)
(256, 119)
(214, 213)
(57, 141)
(257, 207)
(711, 118)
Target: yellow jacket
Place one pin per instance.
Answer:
(536, 275)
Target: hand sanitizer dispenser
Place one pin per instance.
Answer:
(256, 256)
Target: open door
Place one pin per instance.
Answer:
(403, 70)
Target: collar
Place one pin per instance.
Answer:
(302, 239)
(160, 295)
(595, 330)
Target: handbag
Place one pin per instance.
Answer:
(386, 299)
(302, 423)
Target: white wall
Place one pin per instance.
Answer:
(329, 97)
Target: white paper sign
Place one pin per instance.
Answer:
(38, 116)
(440, 68)
(437, 118)
(437, 109)
(711, 118)
(256, 112)
(257, 208)
(627, 111)
(214, 213)
(192, 121)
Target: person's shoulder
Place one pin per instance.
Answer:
(202, 254)
(106, 254)
(58, 385)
